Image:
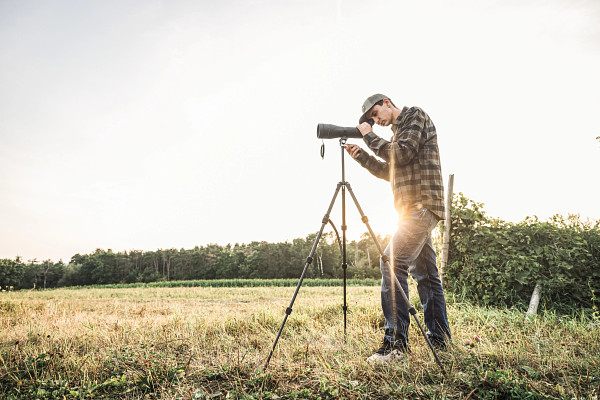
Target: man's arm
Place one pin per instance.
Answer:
(403, 150)
(374, 166)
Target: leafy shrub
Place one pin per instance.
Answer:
(499, 263)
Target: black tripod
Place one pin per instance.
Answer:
(343, 185)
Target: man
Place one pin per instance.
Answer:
(411, 163)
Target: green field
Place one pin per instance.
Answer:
(212, 342)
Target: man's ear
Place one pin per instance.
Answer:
(389, 103)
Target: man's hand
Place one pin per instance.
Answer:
(353, 150)
(365, 128)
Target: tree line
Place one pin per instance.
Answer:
(256, 260)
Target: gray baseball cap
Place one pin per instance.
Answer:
(369, 103)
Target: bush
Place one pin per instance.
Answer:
(499, 263)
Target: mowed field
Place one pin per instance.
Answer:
(212, 343)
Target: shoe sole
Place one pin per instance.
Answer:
(395, 355)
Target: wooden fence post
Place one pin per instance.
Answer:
(447, 224)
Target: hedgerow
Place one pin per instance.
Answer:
(499, 263)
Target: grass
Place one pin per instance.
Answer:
(211, 343)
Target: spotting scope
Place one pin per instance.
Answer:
(328, 131)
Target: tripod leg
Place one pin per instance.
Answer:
(344, 262)
(309, 259)
(386, 259)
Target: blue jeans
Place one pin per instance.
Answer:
(411, 250)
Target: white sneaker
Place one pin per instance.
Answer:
(387, 353)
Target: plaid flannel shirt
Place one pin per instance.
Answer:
(411, 162)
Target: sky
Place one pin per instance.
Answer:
(144, 125)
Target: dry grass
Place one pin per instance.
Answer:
(201, 342)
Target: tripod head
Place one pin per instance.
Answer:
(343, 141)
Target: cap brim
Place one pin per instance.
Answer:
(364, 117)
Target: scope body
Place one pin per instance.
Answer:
(329, 131)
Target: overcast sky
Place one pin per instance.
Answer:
(159, 124)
